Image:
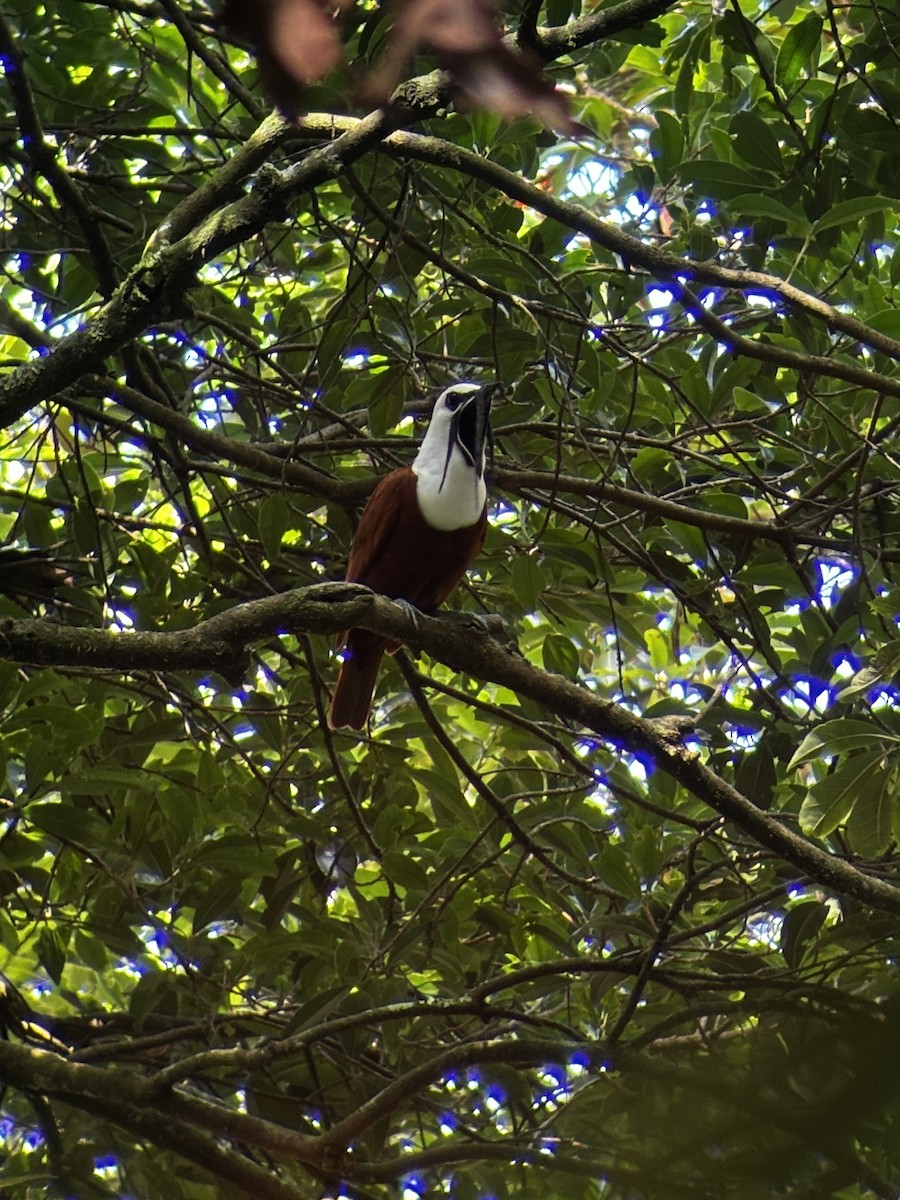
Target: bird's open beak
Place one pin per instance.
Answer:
(473, 423)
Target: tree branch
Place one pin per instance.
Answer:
(157, 286)
(220, 644)
(45, 160)
(121, 1098)
(659, 263)
(552, 42)
(155, 289)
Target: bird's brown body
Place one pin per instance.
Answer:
(421, 528)
(397, 554)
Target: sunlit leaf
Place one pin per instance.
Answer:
(838, 737)
(798, 51)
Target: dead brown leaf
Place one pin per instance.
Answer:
(296, 42)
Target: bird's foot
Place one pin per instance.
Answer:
(414, 615)
(410, 609)
(491, 624)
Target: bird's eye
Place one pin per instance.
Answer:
(454, 398)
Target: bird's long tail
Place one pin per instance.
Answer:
(352, 697)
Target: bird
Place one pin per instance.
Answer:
(421, 528)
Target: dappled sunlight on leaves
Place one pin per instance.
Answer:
(623, 865)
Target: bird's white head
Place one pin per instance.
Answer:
(449, 467)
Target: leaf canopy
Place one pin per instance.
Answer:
(604, 901)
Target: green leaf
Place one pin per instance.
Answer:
(887, 659)
(692, 539)
(799, 51)
(51, 952)
(849, 212)
(500, 271)
(755, 142)
(615, 870)
(90, 950)
(316, 1008)
(651, 465)
(658, 647)
(275, 518)
(560, 656)
(838, 737)
(666, 144)
(405, 871)
(746, 401)
(721, 180)
(220, 900)
(863, 681)
(527, 581)
(799, 929)
(870, 827)
(386, 400)
(755, 204)
(886, 320)
(154, 993)
(697, 50)
(830, 801)
(94, 781)
(333, 346)
(756, 775)
(726, 503)
(63, 821)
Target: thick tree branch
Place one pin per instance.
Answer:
(220, 644)
(552, 42)
(659, 263)
(125, 1099)
(121, 1098)
(156, 289)
(224, 185)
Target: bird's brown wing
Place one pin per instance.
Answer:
(378, 524)
(379, 521)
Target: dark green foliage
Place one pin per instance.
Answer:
(592, 975)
